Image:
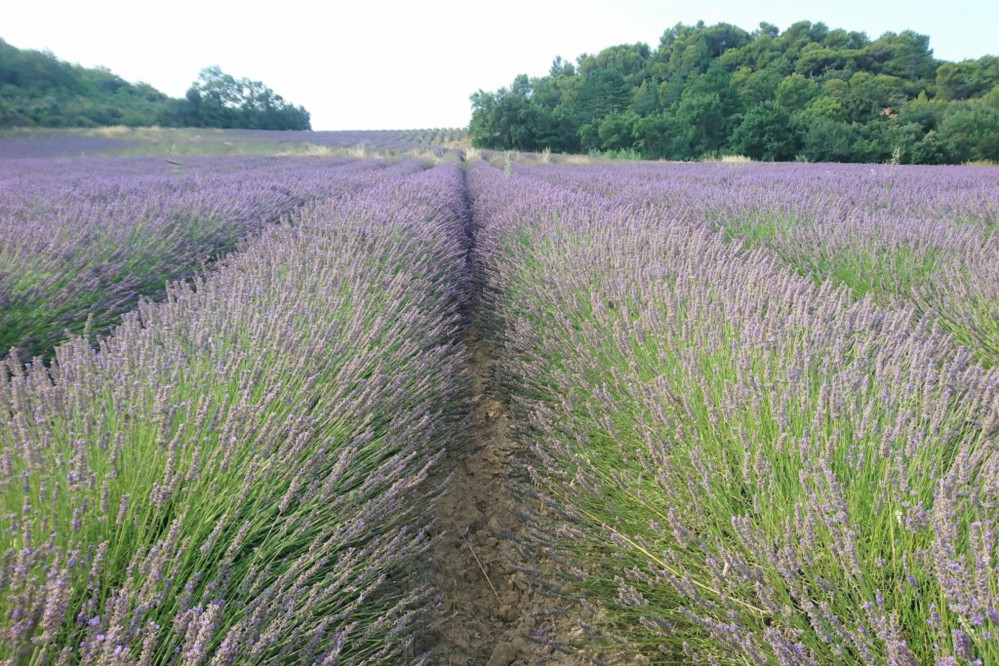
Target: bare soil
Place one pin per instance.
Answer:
(491, 614)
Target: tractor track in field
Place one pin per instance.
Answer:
(491, 615)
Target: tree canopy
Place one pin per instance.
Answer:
(39, 90)
(809, 92)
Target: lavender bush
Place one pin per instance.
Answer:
(85, 238)
(894, 232)
(237, 475)
(730, 462)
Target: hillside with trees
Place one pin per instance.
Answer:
(809, 92)
(39, 90)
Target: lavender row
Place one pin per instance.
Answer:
(238, 474)
(925, 234)
(728, 462)
(85, 238)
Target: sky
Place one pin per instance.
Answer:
(392, 64)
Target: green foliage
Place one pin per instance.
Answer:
(795, 91)
(869, 95)
(628, 60)
(767, 133)
(659, 136)
(529, 116)
(219, 100)
(613, 132)
(906, 55)
(825, 106)
(828, 140)
(756, 86)
(961, 80)
(970, 132)
(704, 122)
(646, 100)
(706, 113)
(603, 91)
(705, 89)
(39, 90)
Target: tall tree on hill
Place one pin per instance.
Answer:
(37, 89)
(602, 92)
(707, 110)
(906, 55)
(628, 60)
(768, 133)
(853, 98)
(218, 99)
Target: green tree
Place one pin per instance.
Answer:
(970, 131)
(756, 86)
(760, 52)
(795, 91)
(660, 136)
(817, 60)
(827, 107)
(930, 150)
(767, 133)
(870, 96)
(508, 119)
(924, 112)
(707, 110)
(906, 55)
(646, 99)
(218, 99)
(602, 92)
(706, 127)
(799, 35)
(850, 98)
(826, 140)
(628, 60)
(967, 79)
(682, 51)
(617, 130)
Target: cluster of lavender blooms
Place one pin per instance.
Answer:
(239, 473)
(86, 238)
(926, 234)
(728, 461)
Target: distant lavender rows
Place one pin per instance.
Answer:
(87, 237)
(377, 139)
(730, 462)
(138, 141)
(925, 234)
(237, 475)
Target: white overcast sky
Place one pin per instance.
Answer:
(390, 64)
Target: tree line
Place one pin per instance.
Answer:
(39, 90)
(809, 92)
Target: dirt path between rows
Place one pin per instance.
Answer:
(492, 616)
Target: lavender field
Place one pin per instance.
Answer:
(121, 141)
(748, 463)
(748, 413)
(87, 238)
